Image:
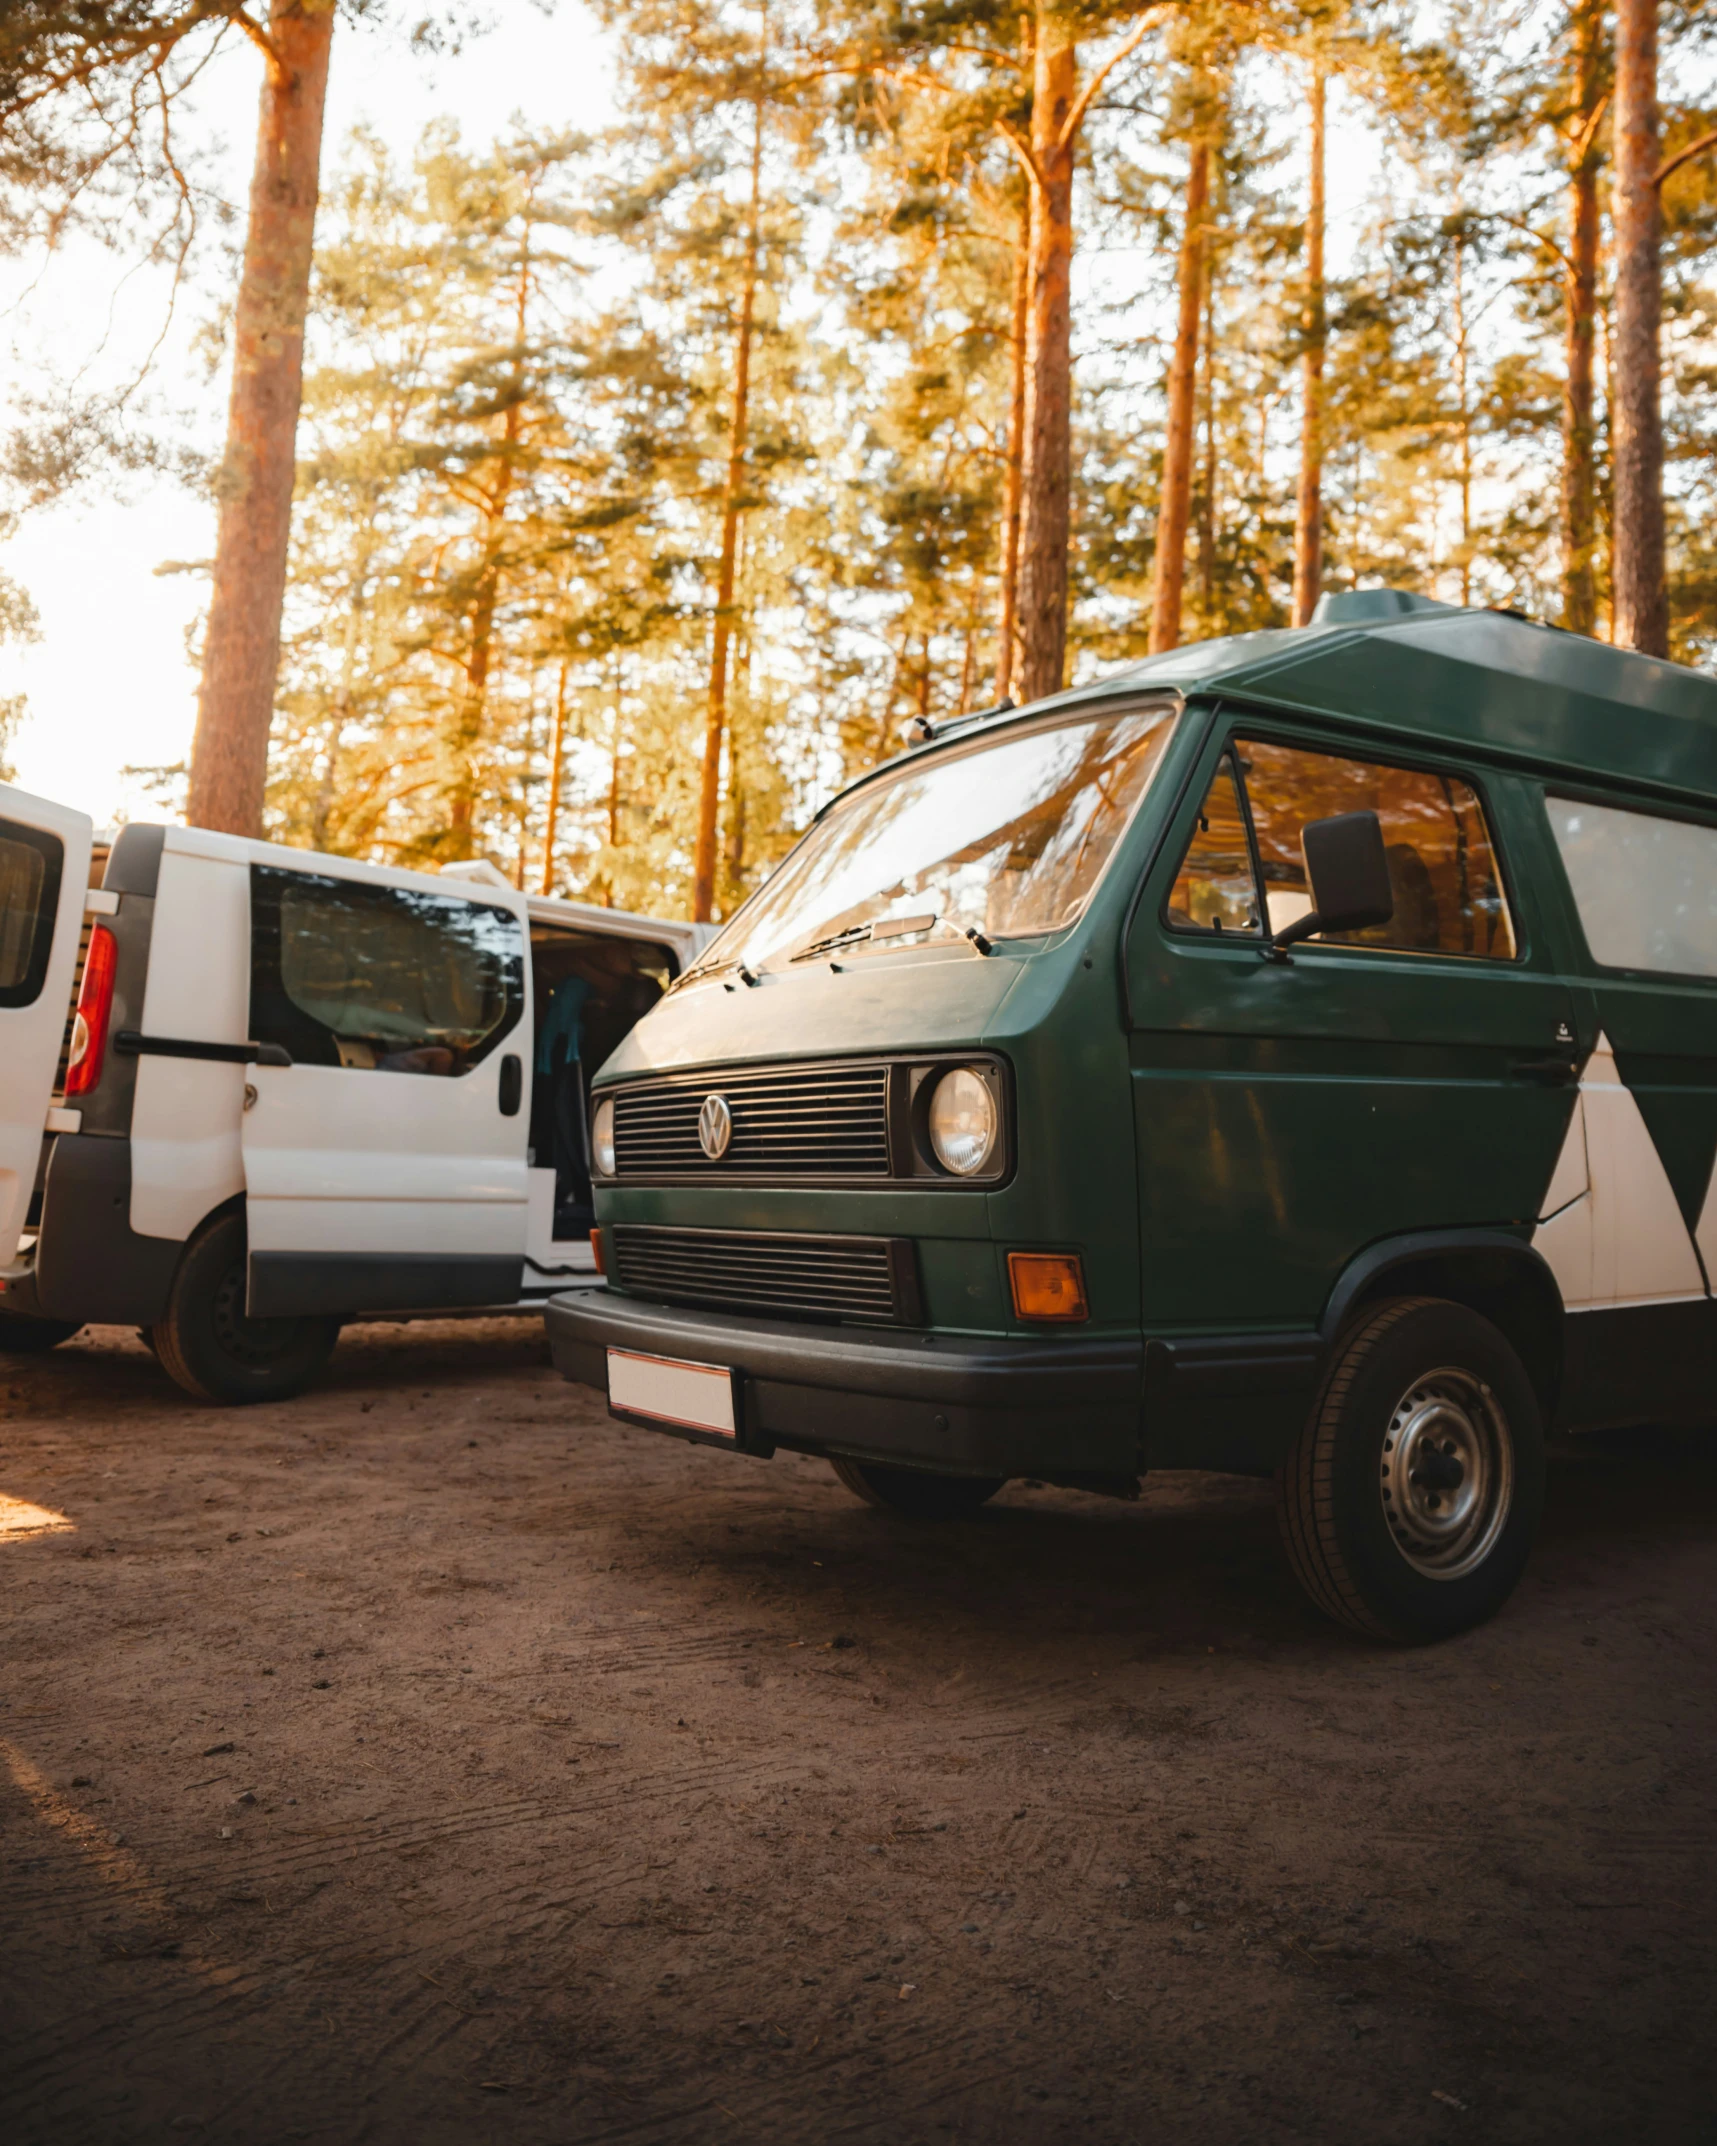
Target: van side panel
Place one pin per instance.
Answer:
(90, 1266)
(186, 1117)
(1290, 1114)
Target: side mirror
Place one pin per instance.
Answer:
(1349, 876)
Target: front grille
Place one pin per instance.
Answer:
(792, 1277)
(822, 1121)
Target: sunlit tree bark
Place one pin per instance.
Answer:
(1308, 504)
(1641, 600)
(1579, 321)
(1007, 622)
(1175, 510)
(732, 500)
(229, 756)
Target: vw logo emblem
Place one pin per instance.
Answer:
(715, 1126)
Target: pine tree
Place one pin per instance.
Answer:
(1589, 89)
(1202, 126)
(229, 754)
(1641, 604)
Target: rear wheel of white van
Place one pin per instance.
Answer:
(917, 1492)
(31, 1337)
(1411, 1500)
(207, 1343)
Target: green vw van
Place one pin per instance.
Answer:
(1296, 1055)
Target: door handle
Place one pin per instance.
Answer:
(1547, 1072)
(512, 1085)
(130, 1044)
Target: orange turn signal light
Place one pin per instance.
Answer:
(596, 1251)
(1047, 1285)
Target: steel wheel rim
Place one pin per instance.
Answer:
(1447, 1473)
(256, 1343)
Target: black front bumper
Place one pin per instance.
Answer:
(966, 1405)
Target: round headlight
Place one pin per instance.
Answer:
(962, 1122)
(602, 1138)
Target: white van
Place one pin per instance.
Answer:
(216, 1152)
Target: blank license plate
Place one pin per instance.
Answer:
(700, 1396)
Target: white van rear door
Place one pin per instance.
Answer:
(44, 878)
(385, 1166)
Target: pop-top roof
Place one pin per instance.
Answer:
(1484, 681)
(1480, 680)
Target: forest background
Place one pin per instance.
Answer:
(703, 431)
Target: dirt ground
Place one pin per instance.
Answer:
(430, 1759)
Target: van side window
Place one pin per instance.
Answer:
(1442, 865)
(1646, 888)
(31, 861)
(386, 979)
(1442, 862)
(1215, 889)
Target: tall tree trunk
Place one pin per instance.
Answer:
(968, 664)
(556, 764)
(715, 723)
(618, 678)
(1641, 600)
(467, 741)
(1046, 519)
(1579, 320)
(241, 652)
(1207, 483)
(1463, 421)
(1176, 506)
(1006, 625)
(735, 853)
(1309, 505)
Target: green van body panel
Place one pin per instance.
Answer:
(1240, 1150)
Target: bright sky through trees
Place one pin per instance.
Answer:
(109, 682)
(660, 443)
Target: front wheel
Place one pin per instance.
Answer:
(1411, 1500)
(208, 1344)
(33, 1337)
(916, 1491)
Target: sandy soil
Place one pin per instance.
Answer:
(432, 1760)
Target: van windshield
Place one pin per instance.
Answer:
(1008, 837)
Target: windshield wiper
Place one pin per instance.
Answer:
(854, 935)
(698, 974)
(861, 934)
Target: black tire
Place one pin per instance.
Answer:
(1412, 1498)
(916, 1492)
(34, 1337)
(206, 1343)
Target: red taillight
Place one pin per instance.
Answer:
(95, 1003)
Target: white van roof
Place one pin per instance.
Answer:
(686, 940)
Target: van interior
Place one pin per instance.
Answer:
(590, 989)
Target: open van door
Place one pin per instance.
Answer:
(383, 1125)
(44, 878)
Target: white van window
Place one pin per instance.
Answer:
(30, 866)
(1646, 888)
(382, 979)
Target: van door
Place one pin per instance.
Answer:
(44, 877)
(1418, 1076)
(591, 985)
(385, 1164)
